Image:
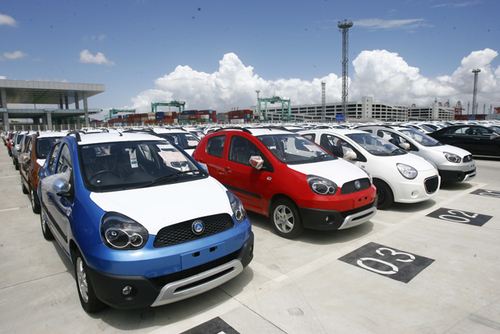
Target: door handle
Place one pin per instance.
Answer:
(227, 170)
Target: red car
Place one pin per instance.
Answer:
(289, 179)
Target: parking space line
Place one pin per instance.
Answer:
(11, 209)
(31, 280)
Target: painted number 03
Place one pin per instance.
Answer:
(384, 251)
(458, 216)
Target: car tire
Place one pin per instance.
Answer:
(35, 203)
(23, 187)
(47, 233)
(88, 299)
(385, 198)
(16, 166)
(285, 219)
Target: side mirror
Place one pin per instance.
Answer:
(349, 154)
(256, 162)
(405, 146)
(61, 187)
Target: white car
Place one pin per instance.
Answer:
(182, 138)
(399, 176)
(453, 163)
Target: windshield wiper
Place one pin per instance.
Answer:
(174, 176)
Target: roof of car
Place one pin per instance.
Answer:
(165, 130)
(49, 134)
(334, 131)
(96, 138)
(257, 131)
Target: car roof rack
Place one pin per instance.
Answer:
(76, 134)
(234, 128)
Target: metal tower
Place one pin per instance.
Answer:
(474, 92)
(344, 27)
(323, 102)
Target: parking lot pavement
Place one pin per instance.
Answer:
(411, 269)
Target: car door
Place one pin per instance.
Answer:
(214, 157)
(484, 144)
(248, 183)
(59, 206)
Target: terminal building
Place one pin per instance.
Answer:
(366, 110)
(45, 104)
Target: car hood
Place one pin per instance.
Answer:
(409, 159)
(338, 170)
(165, 205)
(450, 149)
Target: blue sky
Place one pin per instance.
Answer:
(144, 39)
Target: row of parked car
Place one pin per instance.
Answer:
(150, 216)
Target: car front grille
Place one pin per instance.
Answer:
(431, 184)
(467, 158)
(350, 187)
(183, 232)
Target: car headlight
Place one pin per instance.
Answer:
(321, 186)
(407, 171)
(238, 210)
(121, 232)
(452, 157)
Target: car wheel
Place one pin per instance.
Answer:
(385, 198)
(285, 219)
(47, 234)
(88, 299)
(23, 187)
(16, 165)
(35, 203)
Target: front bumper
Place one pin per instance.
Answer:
(172, 287)
(323, 220)
(457, 175)
(414, 191)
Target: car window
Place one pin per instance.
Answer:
(310, 136)
(335, 145)
(215, 146)
(241, 149)
(464, 130)
(131, 164)
(64, 162)
(294, 149)
(43, 146)
(375, 145)
(52, 159)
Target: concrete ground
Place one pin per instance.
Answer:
(296, 286)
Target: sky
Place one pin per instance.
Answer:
(214, 54)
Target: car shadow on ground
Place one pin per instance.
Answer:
(168, 314)
(456, 186)
(317, 237)
(412, 207)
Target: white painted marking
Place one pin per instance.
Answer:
(10, 209)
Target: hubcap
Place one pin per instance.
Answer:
(81, 277)
(283, 218)
(43, 221)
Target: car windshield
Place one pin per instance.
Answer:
(495, 128)
(126, 165)
(19, 138)
(375, 145)
(421, 137)
(294, 149)
(43, 146)
(184, 140)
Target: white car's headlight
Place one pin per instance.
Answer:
(121, 232)
(452, 157)
(321, 186)
(407, 171)
(238, 210)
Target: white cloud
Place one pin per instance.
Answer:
(376, 23)
(86, 57)
(3, 77)
(457, 4)
(379, 73)
(6, 20)
(14, 55)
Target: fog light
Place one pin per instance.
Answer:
(127, 290)
(414, 194)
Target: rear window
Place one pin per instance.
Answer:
(215, 146)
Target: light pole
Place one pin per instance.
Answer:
(474, 92)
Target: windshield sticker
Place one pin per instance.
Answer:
(165, 147)
(133, 158)
(102, 151)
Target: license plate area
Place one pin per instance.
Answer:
(203, 255)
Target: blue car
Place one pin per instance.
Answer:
(143, 223)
